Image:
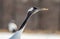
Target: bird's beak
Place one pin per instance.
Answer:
(41, 9)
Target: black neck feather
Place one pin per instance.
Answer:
(24, 22)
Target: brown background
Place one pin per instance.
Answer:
(16, 10)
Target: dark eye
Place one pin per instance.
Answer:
(34, 8)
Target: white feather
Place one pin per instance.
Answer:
(30, 9)
(12, 26)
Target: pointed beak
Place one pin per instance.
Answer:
(41, 9)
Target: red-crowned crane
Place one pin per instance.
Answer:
(30, 12)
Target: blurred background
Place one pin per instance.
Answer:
(44, 21)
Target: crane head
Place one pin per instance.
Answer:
(34, 10)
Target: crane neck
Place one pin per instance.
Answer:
(25, 21)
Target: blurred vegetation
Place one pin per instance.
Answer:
(17, 10)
